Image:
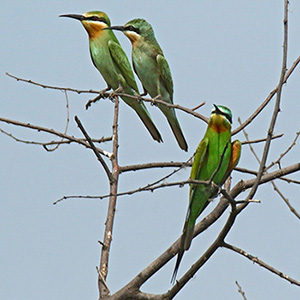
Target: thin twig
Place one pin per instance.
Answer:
(285, 152)
(171, 164)
(260, 140)
(93, 147)
(66, 127)
(256, 260)
(286, 200)
(61, 142)
(292, 209)
(198, 106)
(240, 290)
(54, 132)
(45, 86)
(267, 100)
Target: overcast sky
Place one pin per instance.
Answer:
(222, 52)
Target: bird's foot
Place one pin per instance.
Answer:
(112, 95)
(103, 93)
(154, 99)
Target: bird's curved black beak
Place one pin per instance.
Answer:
(120, 28)
(74, 16)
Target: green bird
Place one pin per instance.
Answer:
(153, 70)
(214, 153)
(111, 61)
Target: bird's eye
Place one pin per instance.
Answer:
(94, 18)
(132, 28)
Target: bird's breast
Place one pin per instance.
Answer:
(219, 124)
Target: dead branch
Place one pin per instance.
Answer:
(103, 269)
(256, 260)
(54, 132)
(240, 290)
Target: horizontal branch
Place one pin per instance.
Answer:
(103, 94)
(52, 143)
(45, 86)
(54, 132)
(241, 186)
(156, 101)
(171, 164)
(261, 140)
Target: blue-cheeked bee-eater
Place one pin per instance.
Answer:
(215, 158)
(153, 70)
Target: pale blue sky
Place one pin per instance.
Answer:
(224, 53)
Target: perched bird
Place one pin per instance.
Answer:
(111, 61)
(215, 156)
(153, 70)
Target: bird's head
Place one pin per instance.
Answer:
(94, 22)
(220, 118)
(135, 30)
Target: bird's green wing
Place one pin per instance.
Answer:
(123, 63)
(188, 229)
(199, 158)
(165, 73)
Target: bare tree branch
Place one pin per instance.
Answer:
(285, 152)
(99, 157)
(103, 269)
(268, 99)
(45, 86)
(66, 128)
(276, 108)
(261, 263)
(293, 210)
(240, 290)
(54, 132)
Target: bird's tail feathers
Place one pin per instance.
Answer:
(174, 124)
(185, 243)
(187, 234)
(179, 258)
(146, 119)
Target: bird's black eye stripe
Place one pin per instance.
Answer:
(131, 28)
(95, 18)
(220, 112)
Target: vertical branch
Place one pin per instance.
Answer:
(276, 108)
(103, 270)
